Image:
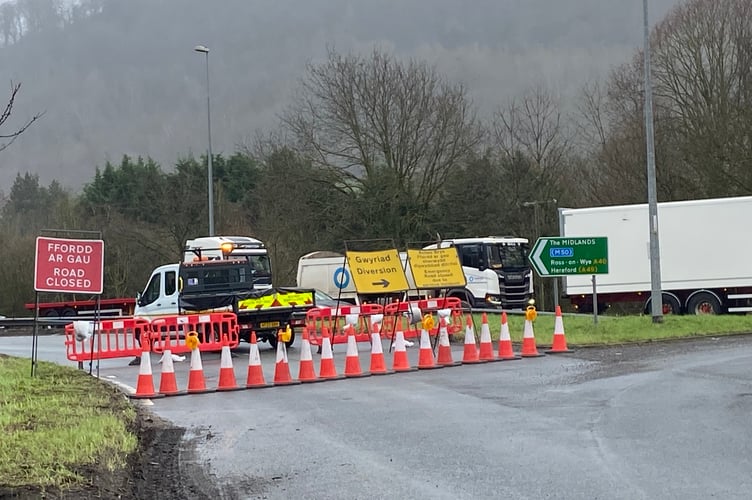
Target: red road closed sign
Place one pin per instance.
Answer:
(69, 266)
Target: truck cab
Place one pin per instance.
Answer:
(496, 270)
(209, 248)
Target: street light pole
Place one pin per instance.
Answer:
(535, 204)
(210, 173)
(656, 299)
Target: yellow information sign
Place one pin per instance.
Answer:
(439, 268)
(377, 272)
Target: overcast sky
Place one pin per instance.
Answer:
(142, 90)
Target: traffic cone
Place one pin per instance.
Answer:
(529, 349)
(444, 357)
(470, 354)
(486, 352)
(196, 382)
(400, 363)
(327, 370)
(506, 352)
(227, 380)
(352, 361)
(425, 357)
(378, 364)
(306, 372)
(282, 368)
(145, 384)
(255, 378)
(559, 343)
(168, 385)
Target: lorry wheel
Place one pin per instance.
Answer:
(273, 340)
(292, 339)
(671, 305)
(704, 303)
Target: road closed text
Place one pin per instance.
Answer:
(74, 266)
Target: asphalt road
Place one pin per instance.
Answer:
(664, 420)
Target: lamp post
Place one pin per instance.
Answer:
(210, 174)
(656, 298)
(536, 222)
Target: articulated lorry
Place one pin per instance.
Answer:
(497, 273)
(704, 255)
(226, 273)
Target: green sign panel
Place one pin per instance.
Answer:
(569, 256)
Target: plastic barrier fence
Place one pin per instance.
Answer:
(112, 339)
(335, 320)
(169, 332)
(411, 312)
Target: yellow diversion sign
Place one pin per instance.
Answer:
(277, 299)
(439, 268)
(377, 272)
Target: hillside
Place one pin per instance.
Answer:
(127, 81)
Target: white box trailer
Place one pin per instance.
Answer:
(705, 248)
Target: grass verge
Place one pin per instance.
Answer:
(581, 330)
(58, 423)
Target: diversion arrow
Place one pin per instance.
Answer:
(384, 283)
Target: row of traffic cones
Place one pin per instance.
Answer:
(327, 369)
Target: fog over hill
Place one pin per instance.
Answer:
(127, 81)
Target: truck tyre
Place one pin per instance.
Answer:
(704, 303)
(272, 339)
(671, 305)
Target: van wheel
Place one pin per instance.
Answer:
(704, 303)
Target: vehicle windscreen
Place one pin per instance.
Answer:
(506, 256)
(260, 264)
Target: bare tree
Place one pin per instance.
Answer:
(702, 81)
(530, 134)
(363, 115)
(6, 139)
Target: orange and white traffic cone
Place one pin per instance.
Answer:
(559, 343)
(282, 367)
(486, 352)
(352, 361)
(306, 372)
(529, 349)
(145, 384)
(196, 382)
(426, 360)
(378, 364)
(470, 354)
(255, 378)
(444, 357)
(400, 363)
(227, 380)
(168, 385)
(327, 369)
(506, 351)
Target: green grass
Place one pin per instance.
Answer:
(581, 330)
(57, 423)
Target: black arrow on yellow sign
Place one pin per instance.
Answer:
(381, 282)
